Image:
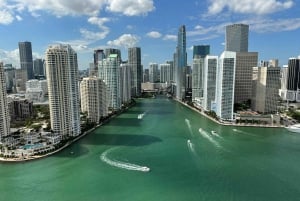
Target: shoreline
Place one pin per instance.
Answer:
(227, 124)
(36, 157)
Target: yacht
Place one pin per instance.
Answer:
(294, 128)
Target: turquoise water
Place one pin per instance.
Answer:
(186, 160)
(32, 146)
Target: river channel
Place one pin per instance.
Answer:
(160, 150)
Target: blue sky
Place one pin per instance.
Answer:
(149, 24)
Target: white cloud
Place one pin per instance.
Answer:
(90, 35)
(259, 7)
(94, 36)
(11, 57)
(154, 34)
(60, 8)
(170, 37)
(63, 8)
(6, 17)
(19, 18)
(271, 25)
(126, 40)
(78, 45)
(131, 7)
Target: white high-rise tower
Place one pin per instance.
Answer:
(4, 117)
(62, 76)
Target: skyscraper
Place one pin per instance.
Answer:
(39, 67)
(165, 73)
(134, 60)
(293, 80)
(125, 77)
(210, 81)
(62, 77)
(4, 117)
(93, 98)
(198, 81)
(266, 96)
(180, 61)
(225, 85)
(109, 72)
(25, 51)
(201, 50)
(245, 61)
(237, 38)
(153, 72)
(199, 53)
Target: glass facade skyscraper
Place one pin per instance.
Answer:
(134, 60)
(180, 58)
(200, 51)
(26, 62)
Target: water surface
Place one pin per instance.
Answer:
(187, 161)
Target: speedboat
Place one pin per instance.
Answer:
(214, 132)
(294, 128)
(145, 169)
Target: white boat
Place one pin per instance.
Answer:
(214, 132)
(294, 128)
(145, 169)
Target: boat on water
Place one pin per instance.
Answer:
(214, 132)
(294, 128)
(145, 169)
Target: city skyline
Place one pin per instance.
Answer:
(148, 24)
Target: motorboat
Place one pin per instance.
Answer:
(145, 169)
(214, 132)
(294, 128)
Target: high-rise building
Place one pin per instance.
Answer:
(198, 81)
(20, 80)
(93, 98)
(172, 70)
(266, 94)
(146, 75)
(245, 61)
(225, 86)
(4, 117)
(9, 73)
(283, 80)
(165, 73)
(109, 72)
(134, 60)
(210, 81)
(237, 38)
(109, 51)
(25, 51)
(180, 61)
(201, 50)
(293, 80)
(153, 72)
(62, 77)
(39, 67)
(125, 77)
(98, 56)
(199, 53)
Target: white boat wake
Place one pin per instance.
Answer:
(191, 146)
(208, 137)
(242, 132)
(120, 164)
(189, 126)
